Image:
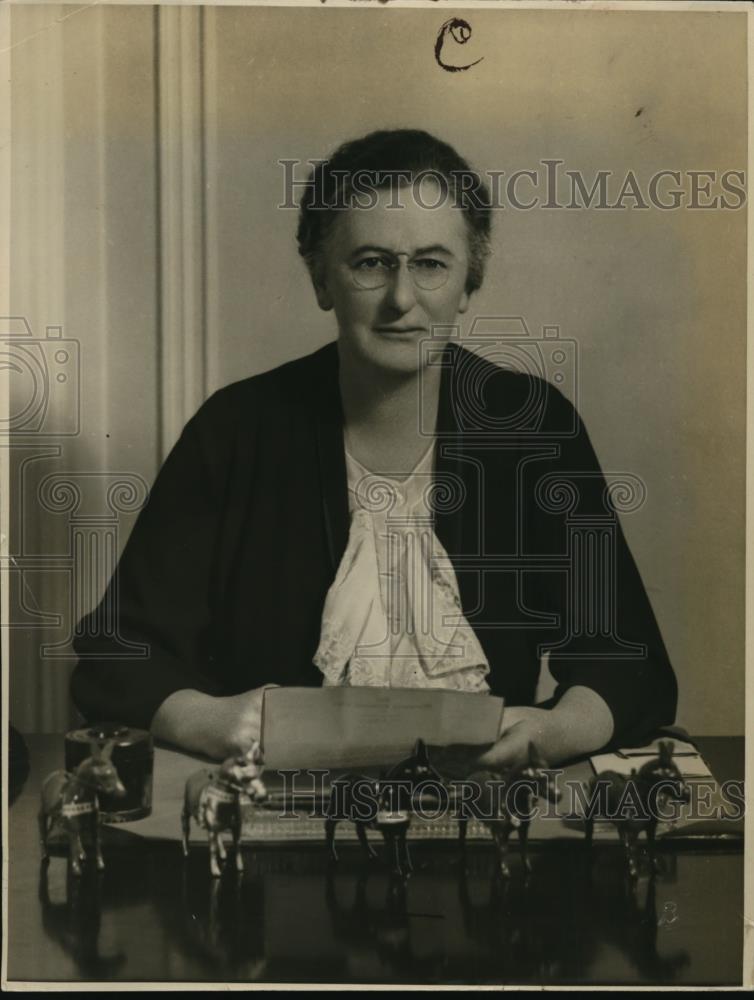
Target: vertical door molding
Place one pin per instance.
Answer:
(181, 200)
(38, 173)
(37, 299)
(210, 126)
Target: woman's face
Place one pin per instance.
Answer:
(392, 274)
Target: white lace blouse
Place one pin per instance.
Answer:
(392, 617)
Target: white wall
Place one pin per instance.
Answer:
(84, 232)
(656, 300)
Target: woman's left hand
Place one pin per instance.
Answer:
(580, 723)
(522, 725)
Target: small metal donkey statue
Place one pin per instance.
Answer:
(384, 804)
(213, 799)
(397, 802)
(505, 804)
(632, 803)
(70, 800)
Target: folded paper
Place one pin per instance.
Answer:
(364, 726)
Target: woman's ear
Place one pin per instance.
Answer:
(324, 298)
(463, 304)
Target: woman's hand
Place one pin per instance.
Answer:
(522, 726)
(579, 723)
(238, 720)
(217, 727)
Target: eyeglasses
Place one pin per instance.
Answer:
(375, 271)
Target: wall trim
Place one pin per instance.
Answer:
(181, 223)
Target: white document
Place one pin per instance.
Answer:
(686, 757)
(363, 726)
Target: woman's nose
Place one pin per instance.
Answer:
(401, 291)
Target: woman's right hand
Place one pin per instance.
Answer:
(238, 720)
(218, 727)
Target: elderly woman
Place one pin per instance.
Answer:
(385, 511)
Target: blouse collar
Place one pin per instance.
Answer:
(447, 470)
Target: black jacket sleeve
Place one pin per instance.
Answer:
(149, 635)
(608, 638)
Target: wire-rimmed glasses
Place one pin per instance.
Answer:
(376, 270)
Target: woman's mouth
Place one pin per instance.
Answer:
(399, 330)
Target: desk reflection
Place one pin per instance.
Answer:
(73, 922)
(294, 916)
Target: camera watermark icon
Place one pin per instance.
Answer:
(504, 342)
(44, 380)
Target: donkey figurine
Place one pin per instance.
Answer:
(505, 804)
(633, 803)
(353, 797)
(396, 803)
(70, 800)
(384, 804)
(213, 799)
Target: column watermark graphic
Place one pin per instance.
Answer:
(512, 452)
(68, 526)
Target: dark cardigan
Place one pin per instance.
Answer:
(221, 585)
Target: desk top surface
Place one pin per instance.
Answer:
(293, 917)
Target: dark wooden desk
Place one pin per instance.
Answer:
(292, 919)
